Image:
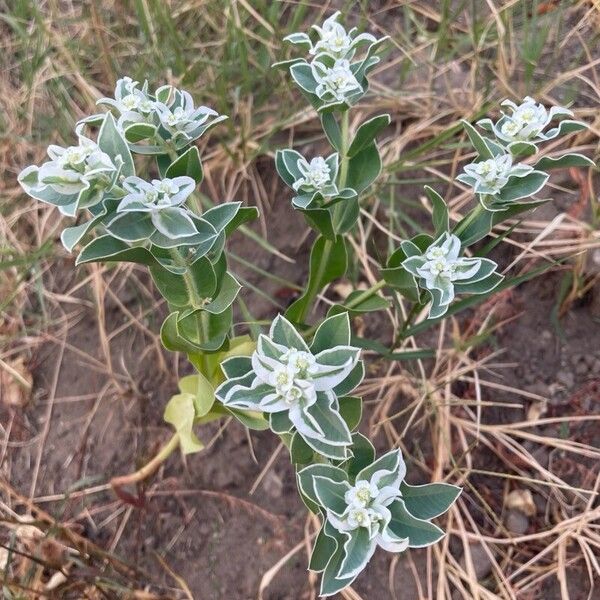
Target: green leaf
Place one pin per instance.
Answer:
(420, 533)
(113, 143)
(302, 74)
(430, 500)
(571, 159)
(306, 476)
(173, 222)
(180, 413)
(328, 261)
(391, 461)
(440, 211)
(332, 130)
(370, 304)
(171, 286)
(330, 583)
(108, 248)
(187, 164)
(364, 168)
(323, 549)
(300, 452)
(280, 422)
(227, 294)
(478, 141)
(131, 226)
(139, 131)
(351, 410)
(320, 219)
(333, 331)
(330, 493)
(201, 389)
(352, 380)
(522, 187)
(363, 455)
(367, 133)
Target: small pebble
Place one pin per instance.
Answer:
(516, 522)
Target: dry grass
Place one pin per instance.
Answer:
(60, 56)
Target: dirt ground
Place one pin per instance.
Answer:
(198, 515)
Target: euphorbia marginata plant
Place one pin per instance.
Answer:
(300, 379)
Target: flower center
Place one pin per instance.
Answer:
(130, 102)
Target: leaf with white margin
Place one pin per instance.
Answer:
(358, 550)
(283, 332)
(430, 500)
(420, 533)
(323, 549)
(307, 475)
(392, 463)
(330, 584)
(341, 360)
(173, 222)
(333, 331)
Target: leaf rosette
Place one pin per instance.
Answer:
(525, 125)
(335, 79)
(437, 268)
(370, 509)
(74, 178)
(299, 386)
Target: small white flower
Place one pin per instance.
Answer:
(490, 176)
(302, 365)
(526, 122)
(165, 186)
(76, 168)
(180, 115)
(317, 174)
(334, 40)
(144, 196)
(361, 494)
(335, 83)
(358, 517)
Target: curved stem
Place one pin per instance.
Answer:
(150, 467)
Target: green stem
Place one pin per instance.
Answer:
(338, 209)
(365, 295)
(470, 217)
(410, 317)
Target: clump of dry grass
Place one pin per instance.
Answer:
(448, 62)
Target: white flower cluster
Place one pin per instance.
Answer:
(296, 376)
(336, 41)
(442, 265)
(132, 104)
(75, 177)
(527, 120)
(490, 176)
(170, 110)
(316, 175)
(160, 193)
(288, 381)
(336, 78)
(336, 82)
(74, 168)
(367, 502)
(442, 272)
